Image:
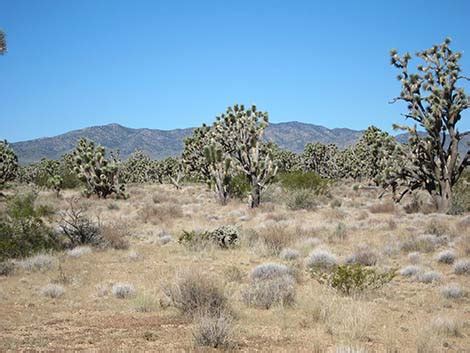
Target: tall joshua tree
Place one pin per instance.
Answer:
(240, 132)
(3, 43)
(435, 102)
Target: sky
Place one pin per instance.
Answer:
(176, 64)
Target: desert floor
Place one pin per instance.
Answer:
(406, 315)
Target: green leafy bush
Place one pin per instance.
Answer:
(239, 186)
(22, 231)
(349, 279)
(303, 180)
(303, 199)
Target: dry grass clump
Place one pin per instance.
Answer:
(409, 271)
(40, 262)
(414, 257)
(79, 251)
(446, 257)
(52, 290)
(160, 213)
(123, 290)
(289, 254)
(145, 303)
(462, 267)
(214, 331)
(115, 236)
(134, 255)
(445, 326)
(276, 238)
(193, 293)
(320, 259)
(424, 243)
(384, 207)
(233, 274)
(437, 227)
(428, 277)
(270, 284)
(452, 291)
(165, 239)
(363, 256)
(7, 268)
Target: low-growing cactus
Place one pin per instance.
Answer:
(100, 175)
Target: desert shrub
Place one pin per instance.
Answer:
(299, 180)
(233, 274)
(349, 279)
(269, 271)
(302, 199)
(239, 186)
(7, 268)
(363, 256)
(123, 290)
(340, 231)
(414, 257)
(437, 227)
(289, 254)
(213, 331)
(264, 293)
(165, 239)
(79, 251)
(78, 228)
(145, 303)
(225, 237)
(424, 243)
(447, 327)
(446, 257)
(320, 260)
(159, 213)
(115, 236)
(276, 238)
(39, 262)
(335, 203)
(428, 277)
(194, 293)
(410, 270)
(452, 291)
(52, 290)
(383, 207)
(462, 267)
(22, 230)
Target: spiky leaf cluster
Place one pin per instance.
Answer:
(139, 168)
(3, 43)
(172, 170)
(100, 175)
(8, 163)
(287, 161)
(435, 102)
(49, 174)
(322, 159)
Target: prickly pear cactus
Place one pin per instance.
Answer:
(8, 163)
(100, 175)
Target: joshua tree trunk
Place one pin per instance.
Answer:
(255, 192)
(443, 201)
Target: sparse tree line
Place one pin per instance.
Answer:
(233, 148)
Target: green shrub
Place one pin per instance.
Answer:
(349, 279)
(22, 231)
(224, 236)
(303, 180)
(23, 237)
(461, 195)
(303, 199)
(239, 186)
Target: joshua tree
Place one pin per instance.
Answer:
(240, 134)
(3, 43)
(100, 174)
(49, 174)
(435, 102)
(219, 165)
(322, 159)
(193, 157)
(172, 169)
(8, 164)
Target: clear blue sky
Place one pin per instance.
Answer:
(173, 64)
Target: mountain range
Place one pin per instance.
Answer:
(165, 143)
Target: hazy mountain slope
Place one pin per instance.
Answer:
(163, 143)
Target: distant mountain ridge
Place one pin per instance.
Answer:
(160, 144)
